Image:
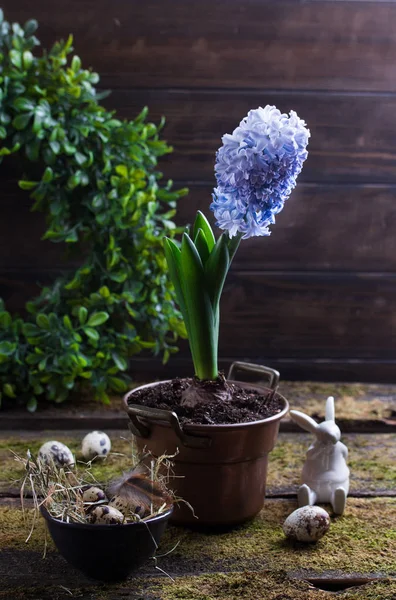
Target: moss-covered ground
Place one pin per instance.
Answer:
(352, 401)
(119, 460)
(363, 540)
(263, 585)
(247, 585)
(252, 562)
(372, 462)
(372, 459)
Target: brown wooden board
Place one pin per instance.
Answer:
(351, 136)
(281, 314)
(258, 44)
(315, 231)
(299, 369)
(341, 149)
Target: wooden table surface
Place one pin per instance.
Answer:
(356, 559)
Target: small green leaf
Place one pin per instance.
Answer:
(30, 27)
(21, 121)
(30, 330)
(27, 185)
(119, 361)
(118, 385)
(23, 104)
(105, 292)
(119, 277)
(67, 323)
(97, 319)
(72, 237)
(43, 321)
(122, 170)
(27, 59)
(48, 175)
(92, 333)
(55, 146)
(82, 314)
(16, 58)
(32, 404)
(9, 390)
(80, 158)
(5, 320)
(76, 64)
(102, 396)
(86, 374)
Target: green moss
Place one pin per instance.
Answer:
(260, 585)
(15, 527)
(217, 586)
(352, 401)
(362, 540)
(119, 460)
(372, 461)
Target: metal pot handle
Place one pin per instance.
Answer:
(156, 414)
(272, 374)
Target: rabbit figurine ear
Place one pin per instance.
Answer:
(330, 412)
(304, 421)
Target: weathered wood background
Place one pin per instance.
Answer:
(318, 298)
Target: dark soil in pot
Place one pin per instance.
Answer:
(246, 404)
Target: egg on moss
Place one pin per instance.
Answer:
(106, 515)
(96, 444)
(307, 524)
(58, 452)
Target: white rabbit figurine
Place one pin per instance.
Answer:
(325, 475)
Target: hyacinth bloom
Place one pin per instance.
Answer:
(256, 170)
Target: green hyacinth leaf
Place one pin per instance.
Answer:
(216, 270)
(201, 222)
(173, 259)
(201, 245)
(202, 326)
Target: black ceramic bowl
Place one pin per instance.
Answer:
(107, 552)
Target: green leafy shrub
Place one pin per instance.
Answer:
(94, 177)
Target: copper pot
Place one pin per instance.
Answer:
(221, 470)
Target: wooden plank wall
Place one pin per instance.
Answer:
(318, 298)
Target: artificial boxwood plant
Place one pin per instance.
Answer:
(94, 177)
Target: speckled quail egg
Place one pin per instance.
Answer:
(123, 505)
(95, 444)
(61, 454)
(94, 494)
(307, 524)
(106, 515)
